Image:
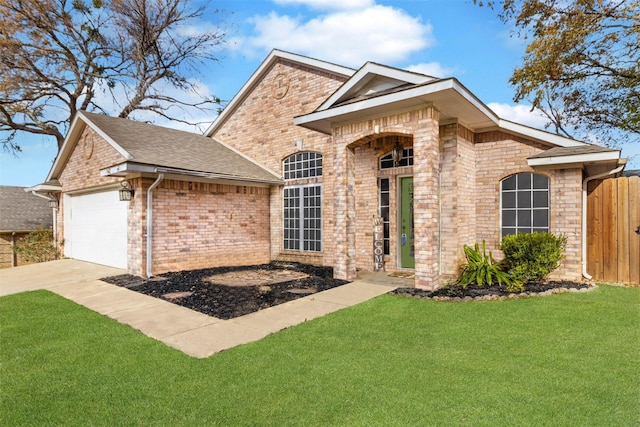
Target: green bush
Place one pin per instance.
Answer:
(37, 246)
(482, 269)
(532, 256)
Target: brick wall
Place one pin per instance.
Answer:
(497, 157)
(262, 127)
(209, 225)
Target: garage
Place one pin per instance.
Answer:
(96, 228)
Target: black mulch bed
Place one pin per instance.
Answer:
(227, 302)
(474, 291)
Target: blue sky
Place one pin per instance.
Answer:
(443, 38)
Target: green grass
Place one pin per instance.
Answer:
(570, 359)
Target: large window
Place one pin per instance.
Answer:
(524, 204)
(302, 214)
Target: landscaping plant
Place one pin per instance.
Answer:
(37, 246)
(482, 269)
(532, 256)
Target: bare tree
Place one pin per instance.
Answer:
(115, 57)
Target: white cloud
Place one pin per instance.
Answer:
(349, 37)
(521, 114)
(434, 69)
(327, 4)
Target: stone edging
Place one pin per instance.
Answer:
(514, 295)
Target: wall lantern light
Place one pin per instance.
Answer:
(396, 153)
(126, 192)
(53, 203)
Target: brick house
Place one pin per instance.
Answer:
(301, 163)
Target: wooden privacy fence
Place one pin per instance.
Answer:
(613, 227)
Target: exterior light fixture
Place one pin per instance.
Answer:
(126, 192)
(53, 203)
(396, 153)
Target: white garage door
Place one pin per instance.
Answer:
(96, 228)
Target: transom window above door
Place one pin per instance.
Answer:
(386, 161)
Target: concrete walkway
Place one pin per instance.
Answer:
(191, 332)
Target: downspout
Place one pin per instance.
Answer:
(55, 219)
(584, 216)
(150, 222)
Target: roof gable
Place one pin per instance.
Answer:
(263, 70)
(373, 79)
(153, 148)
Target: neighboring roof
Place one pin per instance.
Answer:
(22, 211)
(266, 65)
(150, 148)
(631, 173)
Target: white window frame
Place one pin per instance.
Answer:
(531, 209)
(304, 243)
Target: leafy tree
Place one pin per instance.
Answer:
(582, 62)
(115, 57)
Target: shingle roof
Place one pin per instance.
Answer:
(22, 211)
(170, 148)
(572, 151)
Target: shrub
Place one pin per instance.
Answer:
(37, 246)
(532, 256)
(482, 269)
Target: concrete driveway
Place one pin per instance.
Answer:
(191, 332)
(52, 274)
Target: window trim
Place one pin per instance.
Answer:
(296, 161)
(301, 217)
(531, 209)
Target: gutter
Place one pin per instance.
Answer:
(150, 223)
(584, 216)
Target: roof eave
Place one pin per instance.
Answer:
(130, 168)
(321, 121)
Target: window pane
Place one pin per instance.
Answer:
(524, 181)
(524, 230)
(509, 218)
(384, 184)
(540, 181)
(506, 231)
(509, 183)
(524, 218)
(540, 199)
(509, 200)
(541, 218)
(524, 199)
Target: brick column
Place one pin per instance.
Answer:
(345, 213)
(426, 155)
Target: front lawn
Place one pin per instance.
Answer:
(569, 359)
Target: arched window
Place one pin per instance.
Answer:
(524, 204)
(386, 161)
(302, 203)
(307, 164)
